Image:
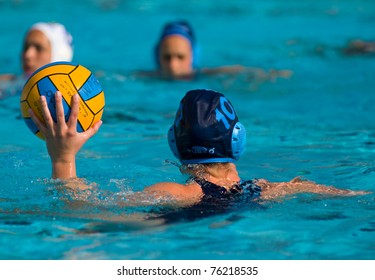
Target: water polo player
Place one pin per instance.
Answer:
(206, 137)
(177, 56)
(43, 43)
(176, 52)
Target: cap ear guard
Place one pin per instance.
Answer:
(172, 142)
(238, 140)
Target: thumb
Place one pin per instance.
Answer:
(94, 129)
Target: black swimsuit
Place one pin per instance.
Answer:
(215, 200)
(212, 191)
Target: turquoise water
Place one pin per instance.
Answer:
(319, 124)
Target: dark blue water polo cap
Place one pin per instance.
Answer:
(206, 129)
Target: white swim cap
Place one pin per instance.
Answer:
(60, 39)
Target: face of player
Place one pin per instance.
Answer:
(36, 51)
(175, 57)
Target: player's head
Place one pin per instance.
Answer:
(176, 52)
(45, 43)
(206, 129)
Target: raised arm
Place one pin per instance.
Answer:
(62, 139)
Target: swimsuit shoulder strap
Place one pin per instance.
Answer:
(209, 188)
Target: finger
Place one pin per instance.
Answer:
(45, 112)
(72, 122)
(39, 124)
(60, 117)
(94, 129)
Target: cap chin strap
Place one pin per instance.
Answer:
(238, 141)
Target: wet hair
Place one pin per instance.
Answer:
(198, 169)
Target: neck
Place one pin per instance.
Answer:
(222, 174)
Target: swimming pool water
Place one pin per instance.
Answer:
(319, 124)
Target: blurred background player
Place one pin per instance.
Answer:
(43, 43)
(177, 57)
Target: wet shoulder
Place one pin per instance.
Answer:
(189, 193)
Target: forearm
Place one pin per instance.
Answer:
(295, 186)
(64, 169)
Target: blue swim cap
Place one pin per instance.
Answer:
(206, 129)
(183, 29)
